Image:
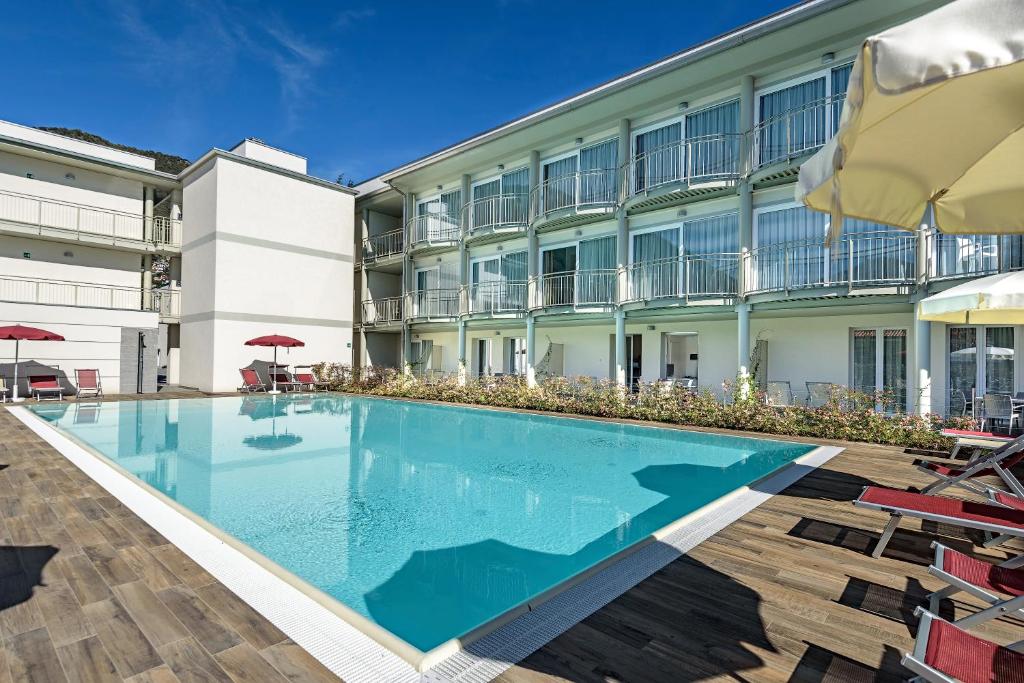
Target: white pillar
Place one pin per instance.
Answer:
(743, 342)
(620, 348)
(462, 353)
(923, 362)
(531, 346)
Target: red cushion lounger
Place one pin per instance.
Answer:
(984, 516)
(988, 582)
(997, 462)
(45, 385)
(944, 652)
(251, 381)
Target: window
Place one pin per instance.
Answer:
(501, 201)
(437, 219)
(437, 293)
(879, 366)
(581, 273)
(584, 179)
(515, 356)
(656, 273)
(977, 373)
(498, 283)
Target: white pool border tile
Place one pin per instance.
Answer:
(355, 656)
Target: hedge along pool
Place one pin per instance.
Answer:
(428, 520)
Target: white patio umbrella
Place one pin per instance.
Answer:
(934, 114)
(996, 299)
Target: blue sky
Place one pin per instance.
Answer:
(358, 88)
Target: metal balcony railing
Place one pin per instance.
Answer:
(435, 303)
(580, 191)
(684, 277)
(167, 302)
(78, 220)
(434, 228)
(65, 293)
(382, 311)
(497, 297)
(500, 212)
(380, 246)
(795, 132)
(694, 161)
(858, 260)
(958, 256)
(578, 288)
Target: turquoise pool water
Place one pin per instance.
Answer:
(430, 520)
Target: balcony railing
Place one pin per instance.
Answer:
(580, 191)
(858, 260)
(383, 245)
(694, 161)
(434, 228)
(685, 277)
(65, 293)
(578, 288)
(956, 256)
(435, 303)
(497, 297)
(795, 132)
(500, 212)
(382, 311)
(78, 221)
(167, 302)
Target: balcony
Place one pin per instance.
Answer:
(384, 247)
(683, 170)
(575, 198)
(382, 311)
(79, 294)
(434, 232)
(35, 216)
(684, 279)
(578, 289)
(496, 217)
(497, 298)
(789, 137)
(167, 302)
(964, 256)
(435, 304)
(878, 260)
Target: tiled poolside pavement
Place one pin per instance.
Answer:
(89, 592)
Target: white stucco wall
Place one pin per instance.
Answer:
(263, 253)
(49, 180)
(86, 264)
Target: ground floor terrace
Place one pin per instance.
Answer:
(869, 344)
(788, 592)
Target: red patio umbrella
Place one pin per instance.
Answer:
(19, 332)
(275, 340)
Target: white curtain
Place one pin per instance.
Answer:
(712, 143)
(794, 121)
(791, 250)
(596, 276)
(656, 270)
(711, 245)
(657, 157)
(598, 171)
(560, 183)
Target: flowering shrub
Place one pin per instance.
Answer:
(846, 416)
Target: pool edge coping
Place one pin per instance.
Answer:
(418, 665)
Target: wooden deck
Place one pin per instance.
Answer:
(787, 593)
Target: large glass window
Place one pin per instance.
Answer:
(712, 142)
(655, 273)
(791, 250)
(502, 201)
(498, 283)
(584, 179)
(711, 244)
(879, 366)
(657, 157)
(977, 372)
(438, 218)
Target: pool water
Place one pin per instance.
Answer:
(429, 520)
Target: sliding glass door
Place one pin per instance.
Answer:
(975, 371)
(879, 366)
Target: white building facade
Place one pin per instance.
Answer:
(646, 230)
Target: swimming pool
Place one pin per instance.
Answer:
(430, 521)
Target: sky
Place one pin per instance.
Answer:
(356, 87)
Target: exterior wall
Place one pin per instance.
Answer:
(93, 340)
(257, 151)
(49, 180)
(263, 253)
(49, 261)
(13, 130)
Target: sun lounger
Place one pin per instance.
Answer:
(305, 378)
(1001, 586)
(943, 653)
(88, 382)
(282, 378)
(251, 381)
(974, 440)
(45, 387)
(998, 462)
(997, 519)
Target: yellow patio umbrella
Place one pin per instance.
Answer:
(995, 299)
(934, 114)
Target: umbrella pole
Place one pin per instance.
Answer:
(273, 374)
(14, 394)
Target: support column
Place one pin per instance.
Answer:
(620, 348)
(407, 288)
(463, 278)
(147, 213)
(462, 353)
(922, 362)
(743, 344)
(147, 282)
(531, 353)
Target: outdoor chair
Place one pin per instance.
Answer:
(998, 462)
(999, 408)
(1001, 586)
(957, 404)
(779, 394)
(819, 393)
(88, 381)
(944, 652)
(285, 382)
(975, 442)
(251, 381)
(45, 387)
(1004, 522)
(305, 377)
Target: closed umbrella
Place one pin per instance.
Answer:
(934, 115)
(19, 332)
(275, 340)
(996, 299)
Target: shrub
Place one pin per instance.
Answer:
(847, 416)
